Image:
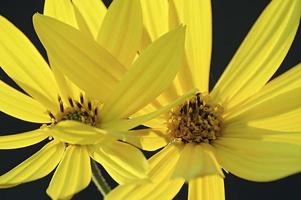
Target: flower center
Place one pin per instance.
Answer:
(83, 111)
(196, 121)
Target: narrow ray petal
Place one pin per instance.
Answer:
(155, 68)
(61, 10)
(21, 140)
(73, 132)
(121, 30)
(126, 124)
(35, 167)
(122, 161)
(96, 69)
(155, 17)
(197, 16)
(261, 53)
(254, 156)
(160, 187)
(196, 160)
(23, 63)
(72, 175)
(207, 188)
(21, 106)
(93, 13)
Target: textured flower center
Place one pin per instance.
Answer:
(82, 111)
(195, 121)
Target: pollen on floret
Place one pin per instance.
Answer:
(196, 121)
(83, 111)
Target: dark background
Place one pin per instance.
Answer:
(231, 19)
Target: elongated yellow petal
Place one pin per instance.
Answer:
(278, 97)
(147, 139)
(21, 140)
(126, 124)
(122, 161)
(155, 17)
(160, 187)
(207, 188)
(155, 68)
(86, 63)
(260, 54)
(35, 167)
(73, 132)
(258, 159)
(72, 175)
(21, 106)
(61, 10)
(23, 63)
(196, 160)
(197, 16)
(93, 13)
(121, 30)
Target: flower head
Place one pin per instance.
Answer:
(243, 125)
(88, 91)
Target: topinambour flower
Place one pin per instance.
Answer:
(87, 94)
(247, 125)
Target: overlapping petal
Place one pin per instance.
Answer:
(35, 167)
(260, 54)
(72, 175)
(96, 71)
(23, 63)
(93, 13)
(122, 161)
(160, 187)
(196, 160)
(152, 70)
(121, 30)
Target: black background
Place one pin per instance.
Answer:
(232, 20)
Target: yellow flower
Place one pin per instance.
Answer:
(246, 125)
(78, 113)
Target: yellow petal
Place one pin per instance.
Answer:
(73, 132)
(258, 159)
(126, 124)
(155, 17)
(61, 10)
(146, 139)
(207, 188)
(151, 73)
(21, 140)
(86, 63)
(35, 167)
(278, 97)
(122, 161)
(160, 187)
(261, 53)
(21, 106)
(121, 30)
(197, 16)
(93, 13)
(23, 63)
(196, 160)
(72, 175)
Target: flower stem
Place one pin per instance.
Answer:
(99, 180)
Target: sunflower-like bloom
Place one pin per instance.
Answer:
(79, 113)
(246, 125)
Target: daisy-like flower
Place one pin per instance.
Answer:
(78, 115)
(245, 125)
